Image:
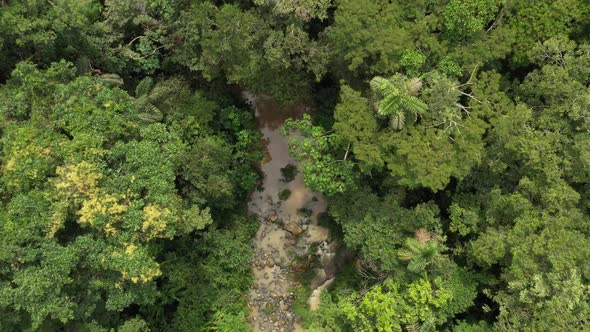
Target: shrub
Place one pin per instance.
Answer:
(289, 172)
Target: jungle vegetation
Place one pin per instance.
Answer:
(452, 139)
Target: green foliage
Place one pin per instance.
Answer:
(90, 192)
(480, 326)
(134, 325)
(209, 283)
(391, 306)
(367, 37)
(301, 9)
(229, 322)
(321, 171)
(241, 46)
(289, 172)
(418, 255)
(459, 187)
(464, 18)
(355, 126)
(411, 61)
(395, 101)
(378, 227)
(449, 67)
(284, 194)
(540, 20)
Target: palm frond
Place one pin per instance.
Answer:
(111, 79)
(413, 104)
(150, 113)
(379, 84)
(414, 327)
(389, 105)
(417, 264)
(405, 255)
(398, 121)
(413, 86)
(161, 92)
(412, 245)
(144, 87)
(428, 325)
(429, 251)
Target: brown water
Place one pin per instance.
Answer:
(270, 299)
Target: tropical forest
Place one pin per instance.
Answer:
(294, 165)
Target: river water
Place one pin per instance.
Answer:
(285, 233)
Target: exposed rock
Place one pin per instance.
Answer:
(270, 262)
(298, 266)
(293, 228)
(315, 298)
(280, 238)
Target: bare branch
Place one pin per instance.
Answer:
(347, 150)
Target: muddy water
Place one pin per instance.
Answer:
(284, 232)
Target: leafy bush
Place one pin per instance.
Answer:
(284, 194)
(289, 172)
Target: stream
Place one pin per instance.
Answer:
(285, 233)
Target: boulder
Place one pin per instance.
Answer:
(293, 228)
(273, 218)
(298, 266)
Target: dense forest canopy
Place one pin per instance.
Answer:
(451, 138)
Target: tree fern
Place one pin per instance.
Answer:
(411, 249)
(428, 325)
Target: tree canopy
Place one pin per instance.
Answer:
(450, 138)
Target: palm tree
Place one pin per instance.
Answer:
(418, 254)
(395, 100)
(150, 98)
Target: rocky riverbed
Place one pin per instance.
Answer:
(288, 229)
